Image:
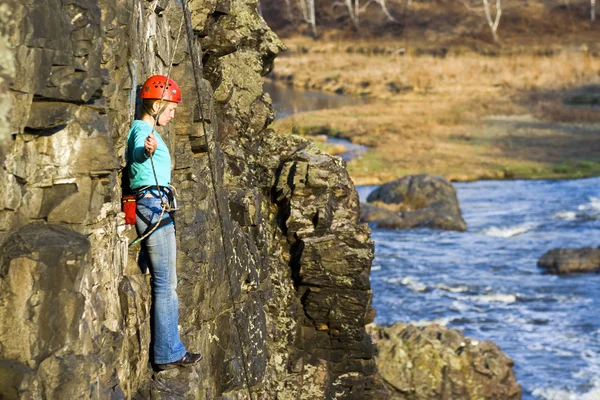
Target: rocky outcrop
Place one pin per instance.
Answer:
(273, 263)
(567, 261)
(439, 363)
(414, 201)
(331, 256)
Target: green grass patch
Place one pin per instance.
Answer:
(324, 146)
(568, 169)
(370, 163)
(315, 130)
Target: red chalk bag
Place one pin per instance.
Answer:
(129, 209)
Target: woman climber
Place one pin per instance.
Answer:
(149, 165)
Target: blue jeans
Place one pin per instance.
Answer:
(161, 250)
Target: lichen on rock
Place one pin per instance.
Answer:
(437, 363)
(273, 286)
(273, 262)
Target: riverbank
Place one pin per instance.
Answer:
(462, 115)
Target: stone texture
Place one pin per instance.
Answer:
(330, 256)
(273, 263)
(439, 363)
(7, 73)
(48, 115)
(414, 201)
(567, 261)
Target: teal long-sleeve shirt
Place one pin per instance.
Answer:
(140, 167)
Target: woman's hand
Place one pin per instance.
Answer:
(150, 144)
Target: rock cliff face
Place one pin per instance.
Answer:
(273, 264)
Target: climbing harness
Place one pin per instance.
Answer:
(165, 191)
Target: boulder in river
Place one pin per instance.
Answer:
(414, 201)
(565, 261)
(434, 362)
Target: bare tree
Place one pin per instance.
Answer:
(593, 10)
(308, 12)
(488, 15)
(383, 5)
(355, 9)
(487, 9)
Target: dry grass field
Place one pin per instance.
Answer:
(525, 112)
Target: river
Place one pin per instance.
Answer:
(287, 101)
(485, 282)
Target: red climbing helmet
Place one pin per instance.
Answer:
(154, 88)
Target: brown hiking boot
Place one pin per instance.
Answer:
(187, 360)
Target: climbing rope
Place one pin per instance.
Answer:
(165, 207)
(198, 69)
(198, 73)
